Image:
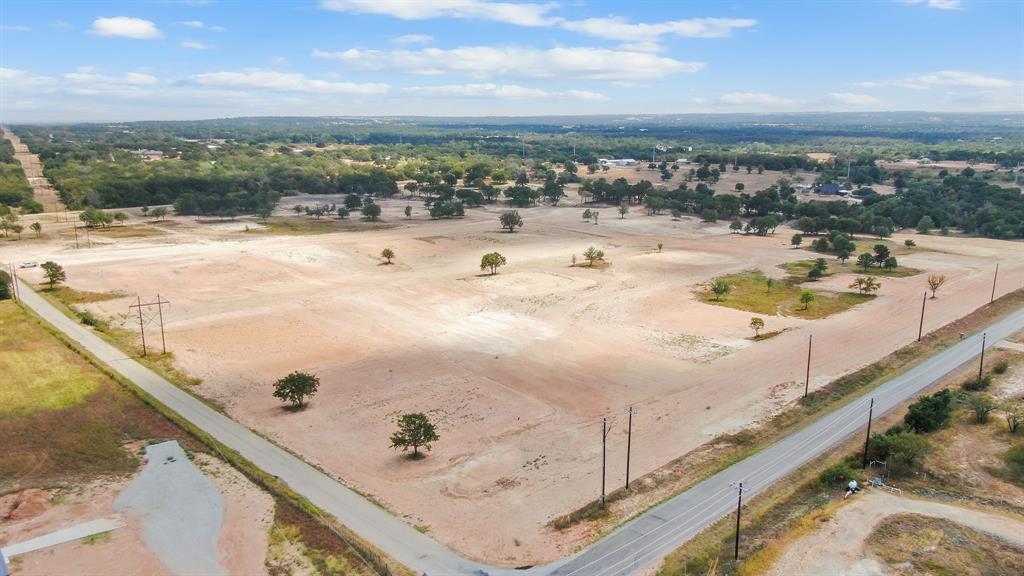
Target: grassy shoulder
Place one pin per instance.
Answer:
(749, 291)
(725, 450)
(938, 546)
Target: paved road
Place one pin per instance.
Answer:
(631, 548)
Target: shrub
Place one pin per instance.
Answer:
(901, 449)
(975, 384)
(1001, 367)
(839, 472)
(1014, 458)
(929, 413)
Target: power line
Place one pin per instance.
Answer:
(139, 305)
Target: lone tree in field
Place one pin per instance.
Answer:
(756, 324)
(866, 284)
(806, 297)
(511, 219)
(935, 281)
(493, 261)
(414, 430)
(623, 210)
(593, 255)
(387, 254)
(296, 387)
(720, 288)
(371, 211)
(54, 273)
(865, 261)
(37, 228)
(408, 211)
(769, 283)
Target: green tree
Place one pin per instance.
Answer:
(593, 255)
(414, 431)
(492, 261)
(925, 224)
(797, 239)
(387, 254)
(623, 209)
(981, 405)
(120, 217)
(866, 284)
(371, 211)
(881, 253)
(735, 226)
(158, 213)
(720, 288)
(54, 273)
(408, 211)
(756, 324)
(806, 297)
(296, 388)
(5, 285)
(37, 228)
(890, 263)
(865, 261)
(929, 412)
(510, 219)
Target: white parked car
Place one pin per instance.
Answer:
(28, 264)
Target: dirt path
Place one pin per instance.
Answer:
(839, 547)
(33, 167)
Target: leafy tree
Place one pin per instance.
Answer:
(756, 324)
(353, 202)
(935, 281)
(909, 243)
(865, 261)
(623, 209)
(120, 217)
(866, 284)
(981, 405)
(593, 255)
(37, 228)
(796, 240)
(493, 261)
(17, 229)
(720, 288)
(902, 449)
(553, 191)
(54, 273)
(296, 387)
(1014, 416)
(659, 246)
(387, 254)
(587, 214)
(371, 211)
(736, 225)
(709, 215)
(414, 431)
(408, 211)
(890, 263)
(881, 253)
(5, 285)
(929, 412)
(806, 297)
(925, 224)
(158, 213)
(740, 186)
(769, 283)
(510, 219)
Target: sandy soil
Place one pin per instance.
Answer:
(243, 543)
(726, 184)
(516, 369)
(839, 546)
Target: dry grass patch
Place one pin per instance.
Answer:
(289, 227)
(914, 544)
(749, 292)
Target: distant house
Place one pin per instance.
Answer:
(616, 161)
(149, 155)
(831, 189)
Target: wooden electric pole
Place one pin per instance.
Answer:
(994, 278)
(920, 327)
(867, 437)
(807, 380)
(981, 363)
(739, 505)
(629, 441)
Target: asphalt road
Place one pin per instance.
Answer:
(631, 548)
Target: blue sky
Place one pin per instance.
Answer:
(108, 61)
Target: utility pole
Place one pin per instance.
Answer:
(807, 380)
(739, 505)
(142, 327)
(160, 311)
(604, 451)
(867, 437)
(629, 440)
(981, 363)
(142, 322)
(993, 297)
(920, 327)
(75, 226)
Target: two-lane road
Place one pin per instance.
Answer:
(632, 547)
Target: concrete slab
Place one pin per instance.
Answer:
(83, 530)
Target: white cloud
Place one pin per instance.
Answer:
(192, 45)
(501, 91)
(620, 29)
(758, 98)
(129, 79)
(866, 85)
(14, 78)
(937, 4)
(284, 81)
(506, 12)
(954, 78)
(192, 24)
(200, 25)
(641, 47)
(489, 61)
(14, 28)
(412, 39)
(125, 27)
(851, 99)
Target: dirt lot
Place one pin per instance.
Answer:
(517, 369)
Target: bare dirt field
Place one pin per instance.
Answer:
(517, 369)
(30, 163)
(726, 184)
(839, 546)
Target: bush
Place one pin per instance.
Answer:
(1001, 367)
(902, 449)
(839, 472)
(974, 384)
(1014, 458)
(929, 413)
